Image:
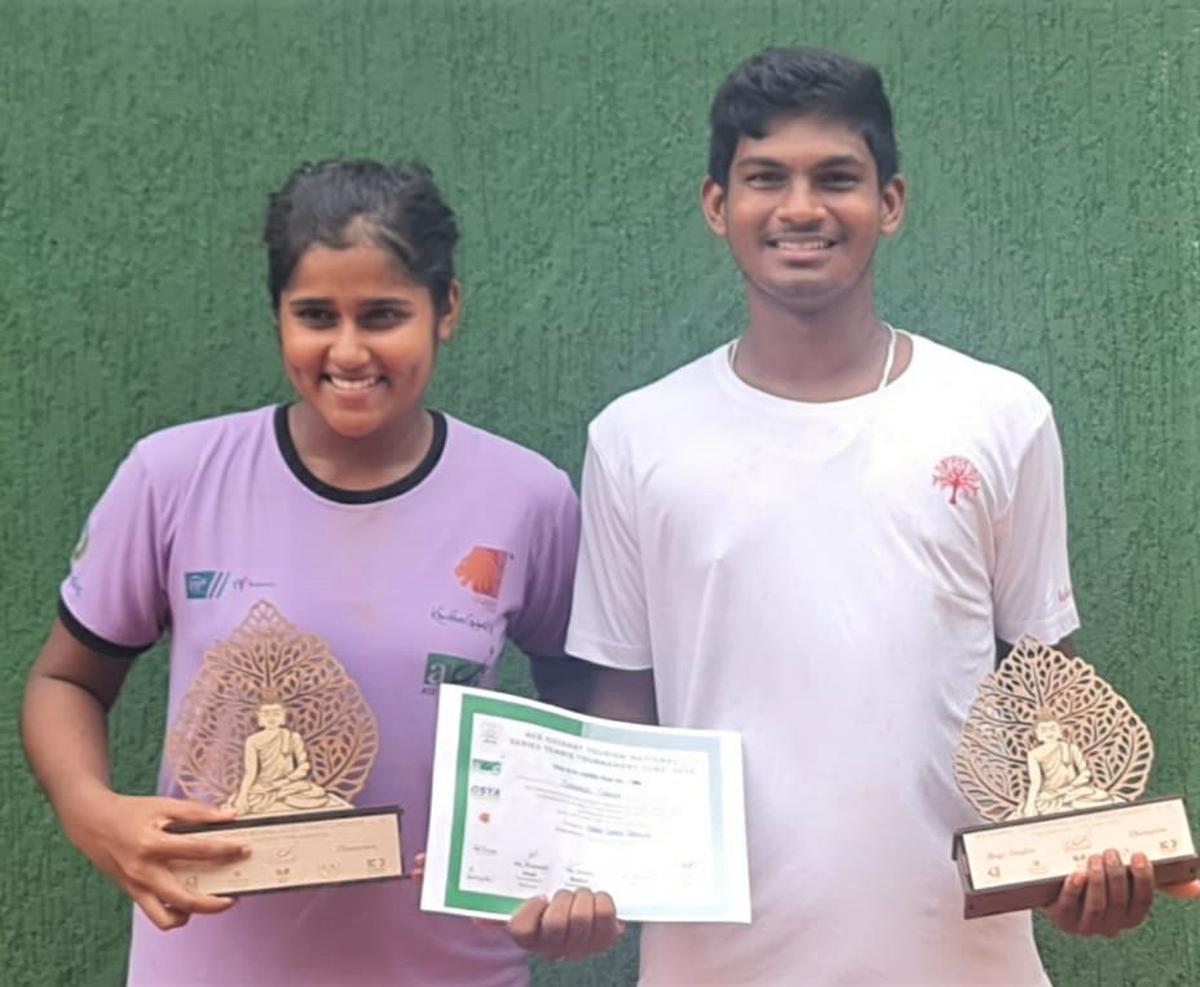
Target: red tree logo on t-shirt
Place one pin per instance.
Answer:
(482, 570)
(957, 473)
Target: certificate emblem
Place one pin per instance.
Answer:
(1056, 760)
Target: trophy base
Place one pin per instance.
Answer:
(298, 850)
(1013, 866)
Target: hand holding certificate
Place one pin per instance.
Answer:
(529, 799)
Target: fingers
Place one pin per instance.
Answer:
(170, 847)
(417, 872)
(1095, 899)
(556, 924)
(1142, 898)
(571, 925)
(181, 810)
(1116, 880)
(592, 926)
(526, 922)
(157, 912)
(187, 902)
(1064, 913)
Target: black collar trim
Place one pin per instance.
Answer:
(287, 448)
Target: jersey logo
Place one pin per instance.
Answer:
(959, 475)
(206, 584)
(210, 584)
(452, 670)
(482, 571)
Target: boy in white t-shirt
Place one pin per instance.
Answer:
(817, 535)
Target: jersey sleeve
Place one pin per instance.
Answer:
(114, 599)
(609, 623)
(1031, 586)
(540, 628)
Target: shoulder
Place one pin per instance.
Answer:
(504, 461)
(668, 403)
(172, 456)
(955, 380)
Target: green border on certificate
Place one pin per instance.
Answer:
(471, 705)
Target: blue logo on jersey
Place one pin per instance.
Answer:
(206, 584)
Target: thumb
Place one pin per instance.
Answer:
(1189, 890)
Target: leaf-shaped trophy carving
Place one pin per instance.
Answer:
(1047, 734)
(272, 723)
(274, 728)
(1056, 760)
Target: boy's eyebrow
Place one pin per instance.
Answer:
(834, 161)
(322, 300)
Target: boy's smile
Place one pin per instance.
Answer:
(803, 211)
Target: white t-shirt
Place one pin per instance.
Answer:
(828, 579)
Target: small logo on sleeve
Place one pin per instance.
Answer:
(958, 475)
(81, 546)
(482, 571)
(452, 670)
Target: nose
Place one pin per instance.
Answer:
(348, 349)
(800, 204)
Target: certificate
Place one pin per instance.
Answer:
(529, 799)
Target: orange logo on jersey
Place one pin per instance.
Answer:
(482, 570)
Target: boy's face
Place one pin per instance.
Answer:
(803, 211)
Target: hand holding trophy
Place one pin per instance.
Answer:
(1056, 760)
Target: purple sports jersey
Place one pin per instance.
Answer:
(275, 587)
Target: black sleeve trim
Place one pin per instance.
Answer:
(95, 641)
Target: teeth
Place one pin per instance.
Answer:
(799, 245)
(352, 383)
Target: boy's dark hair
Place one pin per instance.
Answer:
(781, 82)
(341, 203)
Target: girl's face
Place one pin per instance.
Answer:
(359, 337)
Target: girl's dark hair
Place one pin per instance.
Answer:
(781, 82)
(341, 203)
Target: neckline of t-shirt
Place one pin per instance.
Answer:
(340, 495)
(773, 404)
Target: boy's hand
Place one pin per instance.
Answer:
(1107, 898)
(572, 925)
(418, 868)
(125, 838)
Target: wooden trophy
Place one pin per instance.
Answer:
(274, 728)
(1056, 761)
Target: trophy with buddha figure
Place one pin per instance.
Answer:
(1056, 761)
(274, 728)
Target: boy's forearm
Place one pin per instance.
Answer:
(617, 694)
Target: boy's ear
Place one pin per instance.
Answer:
(894, 200)
(712, 204)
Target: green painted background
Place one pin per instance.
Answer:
(1051, 147)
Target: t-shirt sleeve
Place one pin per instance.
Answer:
(1031, 585)
(114, 598)
(609, 624)
(540, 628)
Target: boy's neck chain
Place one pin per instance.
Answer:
(888, 360)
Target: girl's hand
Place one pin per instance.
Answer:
(125, 837)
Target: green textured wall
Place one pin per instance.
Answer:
(1051, 147)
